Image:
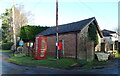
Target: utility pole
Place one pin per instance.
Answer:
(119, 27)
(57, 30)
(14, 29)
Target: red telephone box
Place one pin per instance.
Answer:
(40, 47)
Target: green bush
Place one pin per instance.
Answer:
(28, 33)
(7, 46)
(92, 34)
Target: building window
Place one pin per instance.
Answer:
(110, 37)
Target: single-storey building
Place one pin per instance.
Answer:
(75, 37)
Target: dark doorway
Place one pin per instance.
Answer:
(111, 46)
(119, 47)
(103, 47)
(116, 45)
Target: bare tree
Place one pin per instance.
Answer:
(20, 19)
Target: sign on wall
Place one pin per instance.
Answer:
(21, 43)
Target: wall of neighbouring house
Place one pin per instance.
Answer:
(110, 43)
(69, 44)
(97, 48)
(107, 41)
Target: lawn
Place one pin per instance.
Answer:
(6, 51)
(48, 62)
(65, 63)
(117, 55)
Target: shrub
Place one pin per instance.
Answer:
(28, 33)
(7, 46)
(92, 34)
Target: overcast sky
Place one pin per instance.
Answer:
(43, 11)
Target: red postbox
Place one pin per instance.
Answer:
(59, 46)
(40, 47)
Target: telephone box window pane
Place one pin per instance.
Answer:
(42, 54)
(43, 44)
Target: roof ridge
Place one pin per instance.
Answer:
(75, 22)
(78, 21)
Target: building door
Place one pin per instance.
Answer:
(102, 46)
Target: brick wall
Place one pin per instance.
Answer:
(69, 44)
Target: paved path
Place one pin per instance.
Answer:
(10, 68)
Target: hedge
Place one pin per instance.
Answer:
(7, 46)
(28, 33)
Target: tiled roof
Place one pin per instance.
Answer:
(107, 32)
(70, 27)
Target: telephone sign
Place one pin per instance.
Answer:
(21, 43)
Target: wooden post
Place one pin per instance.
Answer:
(63, 48)
(57, 30)
(14, 28)
(28, 48)
(119, 27)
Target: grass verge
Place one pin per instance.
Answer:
(97, 64)
(51, 62)
(6, 51)
(48, 62)
(117, 55)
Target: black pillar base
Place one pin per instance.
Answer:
(119, 47)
